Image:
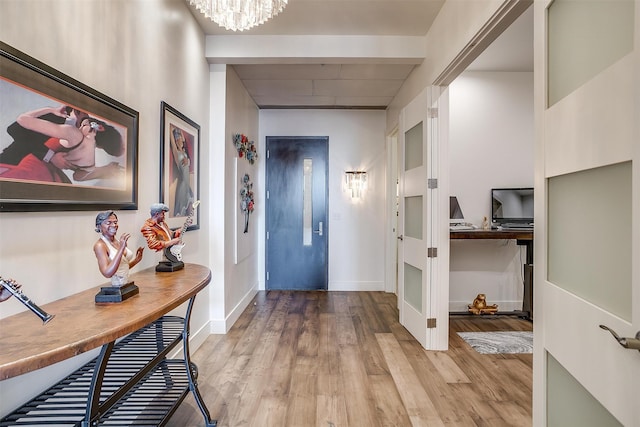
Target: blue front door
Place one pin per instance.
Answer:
(296, 213)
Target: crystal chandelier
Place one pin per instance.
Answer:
(239, 15)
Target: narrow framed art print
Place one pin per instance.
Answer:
(63, 145)
(179, 168)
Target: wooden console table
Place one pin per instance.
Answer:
(522, 237)
(129, 382)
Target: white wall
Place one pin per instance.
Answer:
(356, 229)
(241, 278)
(456, 24)
(232, 112)
(140, 53)
(491, 142)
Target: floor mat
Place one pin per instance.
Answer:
(511, 342)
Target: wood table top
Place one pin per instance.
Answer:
(81, 325)
(491, 234)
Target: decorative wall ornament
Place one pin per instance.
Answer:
(246, 200)
(244, 235)
(246, 148)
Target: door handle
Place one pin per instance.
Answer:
(400, 237)
(630, 343)
(319, 230)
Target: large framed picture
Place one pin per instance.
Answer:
(63, 145)
(179, 168)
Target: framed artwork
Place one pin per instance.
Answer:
(179, 168)
(63, 145)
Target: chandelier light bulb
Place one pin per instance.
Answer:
(239, 15)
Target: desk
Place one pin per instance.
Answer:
(129, 380)
(522, 237)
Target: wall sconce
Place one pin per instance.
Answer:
(356, 182)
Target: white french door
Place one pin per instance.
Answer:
(422, 289)
(587, 238)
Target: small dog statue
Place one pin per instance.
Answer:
(480, 306)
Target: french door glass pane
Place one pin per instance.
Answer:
(413, 147)
(413, 217)
(589, 240)
(584, 38)
(570, 404)
(413, 286)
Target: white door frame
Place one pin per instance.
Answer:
(391, 220)
(439, 291)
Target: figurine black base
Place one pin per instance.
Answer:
(109, 294)
(169, 266)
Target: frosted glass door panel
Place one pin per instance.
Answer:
(413, 286)
(584, 38)
(590, 236)
(569, 404)
(413, 147)
(307, 203)
(413, 217)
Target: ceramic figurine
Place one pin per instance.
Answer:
(160, 237)
(485, 224)
(480, 306)
(115, 259)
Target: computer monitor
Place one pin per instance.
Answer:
(455, 212)
(511, 205)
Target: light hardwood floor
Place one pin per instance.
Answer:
(335, 359)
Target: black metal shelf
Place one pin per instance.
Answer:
(153, 400)
(139, 385)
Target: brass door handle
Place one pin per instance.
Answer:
(630, 343)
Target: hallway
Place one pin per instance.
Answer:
(342, 359)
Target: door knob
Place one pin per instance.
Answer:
(630, 343)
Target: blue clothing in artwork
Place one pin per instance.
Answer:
(184, 194)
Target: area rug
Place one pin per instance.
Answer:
(511, 342)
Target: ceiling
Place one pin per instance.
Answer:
(369, 83)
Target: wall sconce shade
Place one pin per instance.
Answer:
(356, 182)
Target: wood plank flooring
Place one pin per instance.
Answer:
(337, 359)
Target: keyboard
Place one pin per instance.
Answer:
(461, 227)
(516, 226)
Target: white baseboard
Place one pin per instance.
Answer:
(222, 326)
(356, 286)
(197, 338)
